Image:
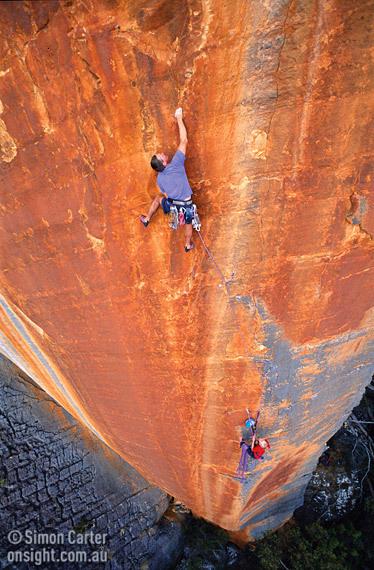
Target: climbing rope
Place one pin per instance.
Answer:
(225, 283)
(219, 270)
(232, 307)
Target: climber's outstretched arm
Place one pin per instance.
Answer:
(182, 130)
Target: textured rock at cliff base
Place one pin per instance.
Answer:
(140, 342)
(57, 480)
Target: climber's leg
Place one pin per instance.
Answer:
(152, 210)
(188, 235)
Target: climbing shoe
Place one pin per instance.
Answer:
(187, 249)
(144, 221)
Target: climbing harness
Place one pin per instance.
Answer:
(182, 213)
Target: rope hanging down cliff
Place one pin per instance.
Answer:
(176, 201)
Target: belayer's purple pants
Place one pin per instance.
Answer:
(243, 463)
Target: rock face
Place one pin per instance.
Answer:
(58, 479)
(153, 350)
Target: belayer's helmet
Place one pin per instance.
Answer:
(249, 423)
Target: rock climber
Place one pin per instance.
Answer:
(173, 183)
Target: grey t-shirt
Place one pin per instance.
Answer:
(173, 179)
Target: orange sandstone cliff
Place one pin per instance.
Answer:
(153, 349)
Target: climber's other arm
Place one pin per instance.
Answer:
(182, 130)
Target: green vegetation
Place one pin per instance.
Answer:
(206, 543)
(347, 545)
(342, 546)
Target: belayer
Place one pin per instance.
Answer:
(173, 183)
(251, 446)
(258, 448)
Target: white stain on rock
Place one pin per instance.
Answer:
(8, 148)
(257, 144)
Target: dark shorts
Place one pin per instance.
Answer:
(166, 204)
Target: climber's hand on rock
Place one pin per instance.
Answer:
(182, 130)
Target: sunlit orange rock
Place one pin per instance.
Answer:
(149, 347)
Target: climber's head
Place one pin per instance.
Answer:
(159, 161)
(262, 443)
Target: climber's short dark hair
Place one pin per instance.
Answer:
(157, 164)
